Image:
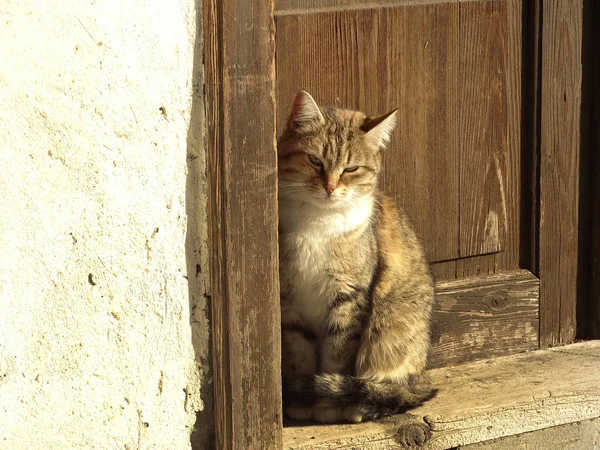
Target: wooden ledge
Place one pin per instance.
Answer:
(483, 400)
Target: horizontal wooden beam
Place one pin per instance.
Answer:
(484, 317)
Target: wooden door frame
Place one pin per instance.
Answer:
(239, 64)
(554, 182)
(591, 88)
(239, 52)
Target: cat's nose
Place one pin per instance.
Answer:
(329, 188)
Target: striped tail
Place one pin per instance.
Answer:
(371, 399)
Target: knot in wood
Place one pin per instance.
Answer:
(413, 434)
(497, 302)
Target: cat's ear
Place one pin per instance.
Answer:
(305, 112)
(379, 129)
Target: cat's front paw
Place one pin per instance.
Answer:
(327, 414)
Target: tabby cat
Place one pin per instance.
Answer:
(356, 291)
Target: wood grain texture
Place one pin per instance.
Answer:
(484, 317)
(482, 401)
(288, 7)
(559, 169)
(443, 270)
(483, 127)
(379, 60)
(239, 65)
(490, 167)
(490, 158)
(473, 266)
(583, 435)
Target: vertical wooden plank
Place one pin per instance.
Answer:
(421, 167)
(559, 169)
(483, 127)
(490, 139)
(489, 132)
(443, 270)
(239, 65)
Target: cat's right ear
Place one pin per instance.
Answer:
(305, 112)
(379, 129)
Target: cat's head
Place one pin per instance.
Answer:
(328, 156)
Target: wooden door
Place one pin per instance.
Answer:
(453, 70)
(487, 161)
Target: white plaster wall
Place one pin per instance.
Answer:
(95, 335)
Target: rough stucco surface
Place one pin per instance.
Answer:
(96, 338)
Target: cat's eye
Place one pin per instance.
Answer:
(351, 169)
(315, 161)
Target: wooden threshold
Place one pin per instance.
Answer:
(484, 400)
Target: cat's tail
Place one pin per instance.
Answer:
(369, 399)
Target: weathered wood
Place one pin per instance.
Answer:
(483, 127)
(490, 136)
(239, 70)
(426, 148)
(288, 7)
(583, 435)
(484, 400)
(490, 162)
(444, 270)
(481, 265)
(559, 169)
(475, 266)
(483, 317)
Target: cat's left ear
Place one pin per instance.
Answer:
(305, 112)
(379, 129)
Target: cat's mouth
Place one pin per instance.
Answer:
(329, 201)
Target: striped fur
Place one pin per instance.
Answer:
(356, 291)
(356, 399)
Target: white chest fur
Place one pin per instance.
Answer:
(307, 234)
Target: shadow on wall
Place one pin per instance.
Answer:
(196, 246)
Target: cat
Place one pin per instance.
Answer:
(356, 290)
